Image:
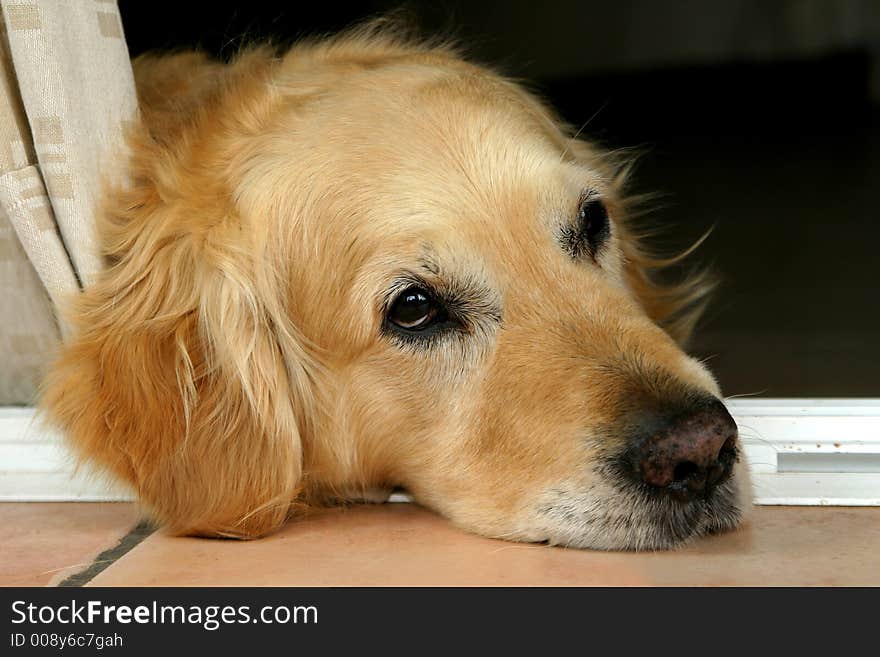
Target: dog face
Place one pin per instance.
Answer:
(372, 265)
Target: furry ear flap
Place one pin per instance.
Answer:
(676, 306)
(182, 380)
(182, 377)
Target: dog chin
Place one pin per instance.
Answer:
(634, 519)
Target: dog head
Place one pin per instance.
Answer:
(369, 264)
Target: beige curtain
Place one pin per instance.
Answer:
(66, 91)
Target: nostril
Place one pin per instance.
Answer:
(729, 445)
(684, 470)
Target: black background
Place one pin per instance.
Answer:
(780, 154)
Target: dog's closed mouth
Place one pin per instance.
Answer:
(641, 519)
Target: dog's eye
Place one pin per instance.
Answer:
(593, 221)
(415, 309)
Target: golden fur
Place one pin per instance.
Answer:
(230, 362)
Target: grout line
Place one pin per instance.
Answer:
(109, 556)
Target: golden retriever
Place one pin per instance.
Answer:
(368, 264)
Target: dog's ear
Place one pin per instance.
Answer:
(182, 381)
(172, 88)
(183, 376)
(676, 306)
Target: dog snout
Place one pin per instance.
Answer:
(690, 453)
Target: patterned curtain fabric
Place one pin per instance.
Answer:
(66, 93)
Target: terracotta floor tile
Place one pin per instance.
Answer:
(401, 544)
(43, 543)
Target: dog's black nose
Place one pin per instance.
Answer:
(689, 454)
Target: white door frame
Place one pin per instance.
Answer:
(800, 452)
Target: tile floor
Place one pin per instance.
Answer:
(402, 544)
(44, 543)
